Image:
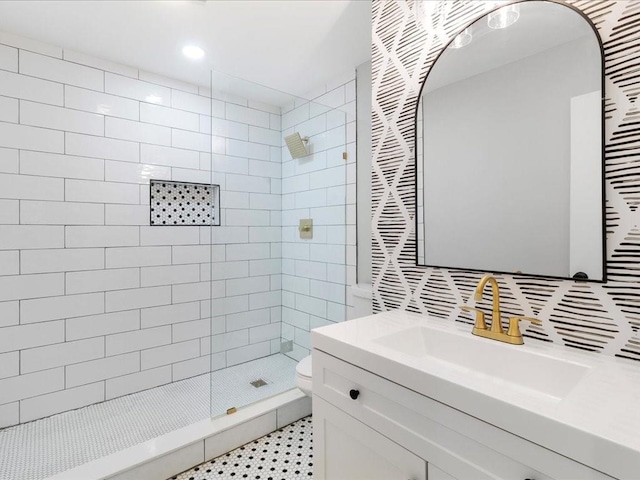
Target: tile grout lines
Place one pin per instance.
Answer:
(285, 454)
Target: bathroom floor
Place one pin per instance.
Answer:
(286, 454)
(36, 450)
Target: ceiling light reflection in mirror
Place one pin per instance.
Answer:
(431, 17)
(503, 18)
(462, 39)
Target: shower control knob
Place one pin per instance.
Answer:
(354, 393)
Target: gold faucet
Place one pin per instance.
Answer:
(496, 324)
(513, 334)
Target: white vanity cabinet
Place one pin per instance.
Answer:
(391, 432)
(351, 450)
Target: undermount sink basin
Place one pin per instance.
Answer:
(514, 364)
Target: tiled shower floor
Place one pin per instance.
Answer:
(286, 454)
(36, 450)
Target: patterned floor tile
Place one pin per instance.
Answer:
(286, 454)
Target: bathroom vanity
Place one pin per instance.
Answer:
(401, 395)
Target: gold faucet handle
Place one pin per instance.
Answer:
(514, 325)
(480, 323)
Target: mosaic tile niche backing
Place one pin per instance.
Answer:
(182, 203)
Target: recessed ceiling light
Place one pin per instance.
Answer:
(193, 52)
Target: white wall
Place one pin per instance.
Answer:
(320, 186)
(94, 303)
(502, 176)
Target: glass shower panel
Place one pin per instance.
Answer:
(314, 189)
(273, 278)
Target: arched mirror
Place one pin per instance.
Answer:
(509, 136)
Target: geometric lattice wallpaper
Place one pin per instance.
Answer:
(603, 318)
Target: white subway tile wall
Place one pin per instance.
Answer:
(95, 303)
(314, 276)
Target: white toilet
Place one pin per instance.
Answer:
(303, 375)
(362, 294)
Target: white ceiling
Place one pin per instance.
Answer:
(291, 45)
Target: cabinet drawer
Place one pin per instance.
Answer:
(462, 446)
(347, 449)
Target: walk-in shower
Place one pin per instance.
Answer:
(160, 276)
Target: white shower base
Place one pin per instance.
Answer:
(40, 449)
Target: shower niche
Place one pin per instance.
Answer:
(183, 203)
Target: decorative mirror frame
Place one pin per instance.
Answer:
(602, 153)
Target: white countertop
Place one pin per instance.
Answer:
(596, 423)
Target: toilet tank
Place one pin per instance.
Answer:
(359, 300)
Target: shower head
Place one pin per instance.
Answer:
(297, 145)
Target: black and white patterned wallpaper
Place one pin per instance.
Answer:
(595, 317)
(181, 203)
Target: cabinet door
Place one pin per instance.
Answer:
(345, 449)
